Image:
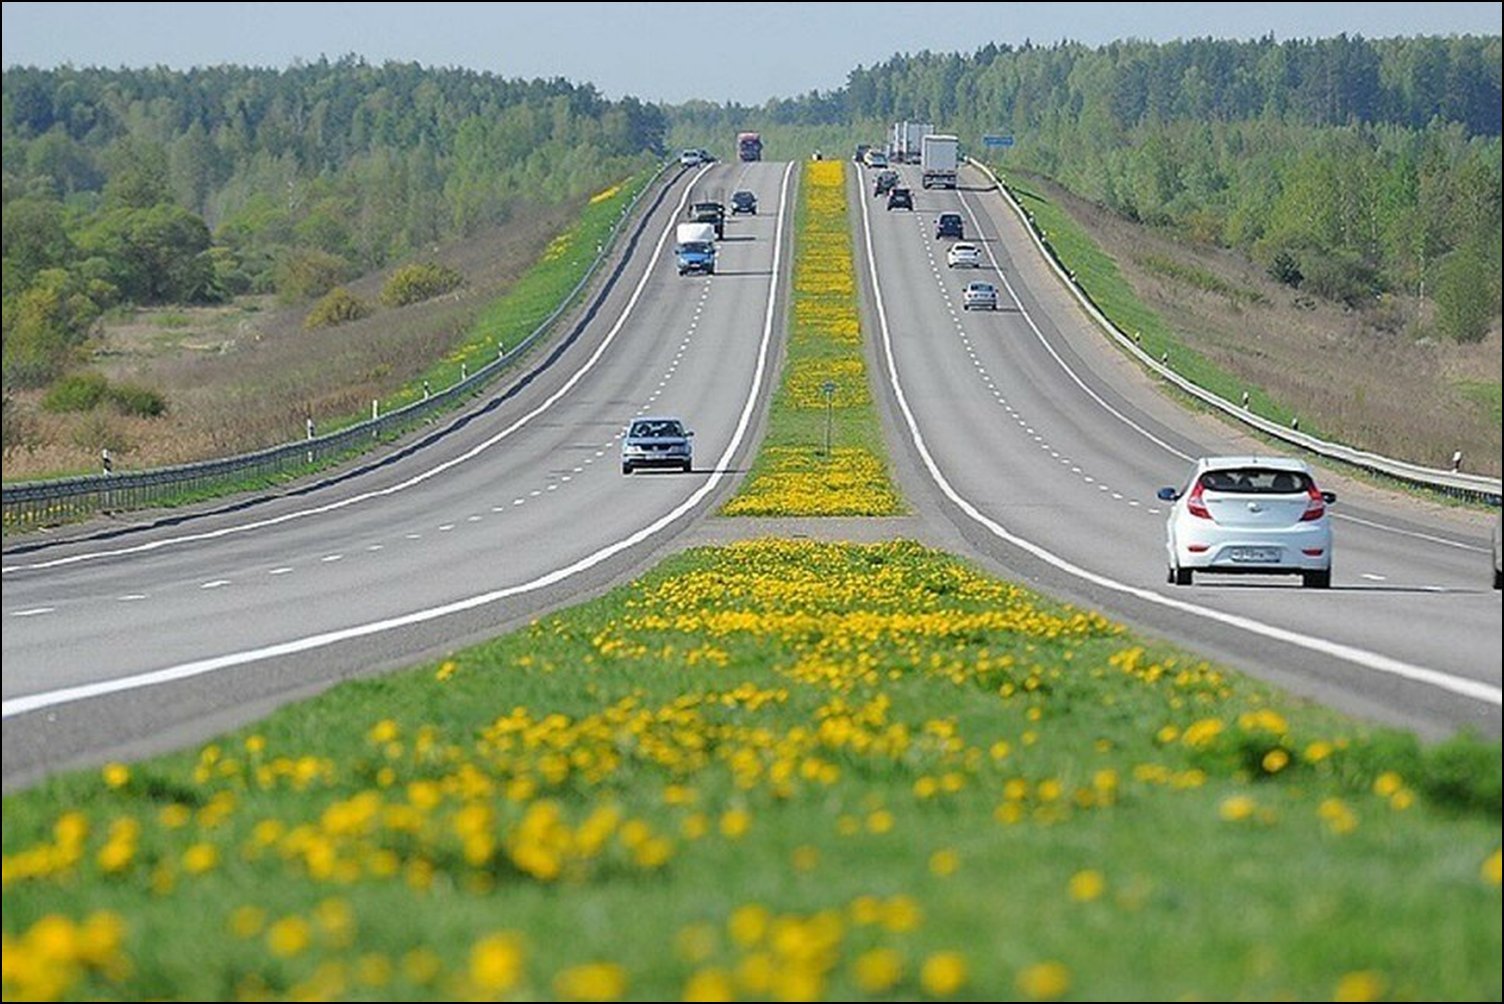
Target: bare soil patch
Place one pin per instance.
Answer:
(246, 375)
(1361, 376)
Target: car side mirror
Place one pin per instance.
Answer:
(1329, 497)
(1168, 495)
(689, 433)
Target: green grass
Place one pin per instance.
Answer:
(1097, 273)
(812, 752)
(1488, 395)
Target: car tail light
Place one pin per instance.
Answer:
(1194, 505)
(1315, 506)
(1198, 548)
(1312, 552)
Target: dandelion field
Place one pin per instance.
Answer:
(775, 770)
(793, 474)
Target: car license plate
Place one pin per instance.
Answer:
(1255, 555)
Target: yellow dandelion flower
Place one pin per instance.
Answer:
(116, 775)
(901, 914)
(1363, 985)
(593, 981)
(1236, 808)
(944, 863)
(709, 985)
(422, 965)
(878, 970)
(1086, 885)
(1275, 761)
(287, 937)
(1387, 783)
(1338, 817)
(943, 974)
(496, 963)
(748, 924)
(880, 821)
(247, 922)
(1489, 872)
(735, 823)
(1044, 981)
(200, 858)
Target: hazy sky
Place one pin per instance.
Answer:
(745, 52)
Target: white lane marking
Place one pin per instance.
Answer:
(652, 261)
(1474, 689)
(1371, 577)
(374, 547)
(326, 559)
(413, 536)
(473, 519)
(33, 612)
(279, 571)
(446, 527)
(11, 707)
(215, 584)
(131, 597)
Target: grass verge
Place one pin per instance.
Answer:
(1097, 274)
(778, 770)
(794, 473)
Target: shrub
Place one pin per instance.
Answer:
(418, 282)
(76, 392)
(306, 273)
(338, 306)
(133, 399)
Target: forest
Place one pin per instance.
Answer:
(152, 186)
(1349, 168)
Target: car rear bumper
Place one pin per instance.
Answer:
(1288, 552)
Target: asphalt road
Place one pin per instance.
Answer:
(1042, 449)
(121, 643)
(1021, 438)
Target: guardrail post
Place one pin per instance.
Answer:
(309, 423)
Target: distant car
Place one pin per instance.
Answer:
(657, 442)
(964, 256)
(949, 225)
(743, 201)
(1249, 515)
(876, 158)
(979, 296)
(1498, 554)
(900, 198)
(884, 183)
(861, 153)
(691, 158)
(706, 157)
(709, 212)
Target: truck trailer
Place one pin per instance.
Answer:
(906, 142)
(938, 157)
(749, 146)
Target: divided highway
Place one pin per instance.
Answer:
(156, 637)
(1043, 448)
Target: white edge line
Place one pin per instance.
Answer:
(1474, 689)
(35, 702)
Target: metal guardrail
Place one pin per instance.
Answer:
(1450, 482)
(32, 504)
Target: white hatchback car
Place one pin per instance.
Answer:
(1261, 515)
(963, 255)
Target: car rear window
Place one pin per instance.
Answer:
(1256, 481)
(655, 430)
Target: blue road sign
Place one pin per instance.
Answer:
(997, 140)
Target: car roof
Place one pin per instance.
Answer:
(656, 418)
(980, 285)
(963, 245)
(1275, 463)
(946, 216)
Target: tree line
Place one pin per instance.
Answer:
(1348, 167)
(145, 186)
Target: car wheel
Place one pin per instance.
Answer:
(1498, 579)
(1182, 576)
(1317, 580)
(687, 466)
(626, 468)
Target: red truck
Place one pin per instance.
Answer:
(749, 146)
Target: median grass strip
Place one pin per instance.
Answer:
(824, 389)
(776, 770)
(1097, 274)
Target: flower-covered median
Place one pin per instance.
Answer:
(776, 770)
(824, 393)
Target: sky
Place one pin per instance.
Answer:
(661, 52)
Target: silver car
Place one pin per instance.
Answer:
(1250, 514)
(979, 295)
(657, 442)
